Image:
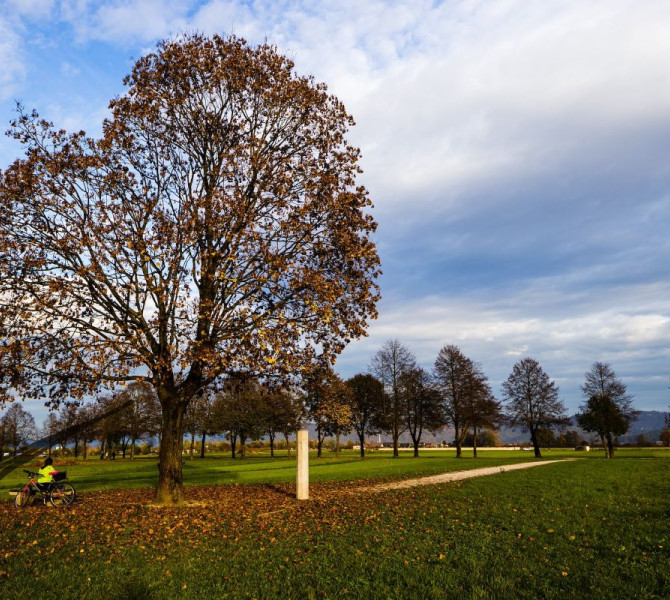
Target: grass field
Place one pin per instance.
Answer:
(590, 528)
(94, 474)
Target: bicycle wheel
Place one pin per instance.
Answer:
(62, 494)
(21, 499)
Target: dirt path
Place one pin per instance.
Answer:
(456, 476)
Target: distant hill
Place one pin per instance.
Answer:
(649, 422)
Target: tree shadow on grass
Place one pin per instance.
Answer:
(133, 589)
(283, 491)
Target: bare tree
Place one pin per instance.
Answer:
(367, 405)
(457, 379)
(482, 410)
(217, 226)
(532, 400)
(69, 420)
(608, 410)
(423, 409)
(18, 426)
(49, 431)
(389, 364)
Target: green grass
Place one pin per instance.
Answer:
(590, 528)
(94, 474)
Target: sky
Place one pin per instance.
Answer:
(517, 154)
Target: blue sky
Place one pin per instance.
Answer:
(517, 153)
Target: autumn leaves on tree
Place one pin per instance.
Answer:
(216, 227)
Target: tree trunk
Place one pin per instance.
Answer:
(603, 441)
(272, 444)
(288, 446)
(610, 445)
(396, 436)
(233, 444)
(170, 488)
(202, 444)
(319, 442)
(474, 442)
(337, 443)
(243, 448)
(458, 440)
(416, 448)
(361, 437)
(132, 448)
(536, 445)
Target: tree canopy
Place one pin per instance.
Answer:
(216, 226)
(608, 410)
(532, 400)
(465, 391)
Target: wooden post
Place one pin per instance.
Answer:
(302, 475)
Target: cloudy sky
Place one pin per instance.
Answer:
(517, 152)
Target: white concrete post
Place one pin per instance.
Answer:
(302, 476)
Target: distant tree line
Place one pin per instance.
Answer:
(395, 397)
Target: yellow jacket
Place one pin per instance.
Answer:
(44, 474)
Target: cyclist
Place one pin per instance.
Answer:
(45, 474)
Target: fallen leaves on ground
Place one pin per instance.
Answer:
(108, 522)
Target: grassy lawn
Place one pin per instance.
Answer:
(94, 474)
(583, 529)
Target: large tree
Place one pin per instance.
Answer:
(367, 401)
(608, 410)
(217, 226)
(532, 400)
(459, 380)
(423, 409)
(389, 364)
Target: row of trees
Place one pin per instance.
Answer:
(116, 421)
(398, 396)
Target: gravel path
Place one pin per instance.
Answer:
(457, 476)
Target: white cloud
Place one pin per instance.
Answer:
(126, 21)
(12, 73)
(627, 326)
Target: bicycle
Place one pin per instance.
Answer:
(59, 492)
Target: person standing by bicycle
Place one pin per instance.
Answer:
(45, 474)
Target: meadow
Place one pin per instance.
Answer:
(585, 528)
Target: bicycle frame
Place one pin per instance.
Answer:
(51, 491)
(32, 489)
